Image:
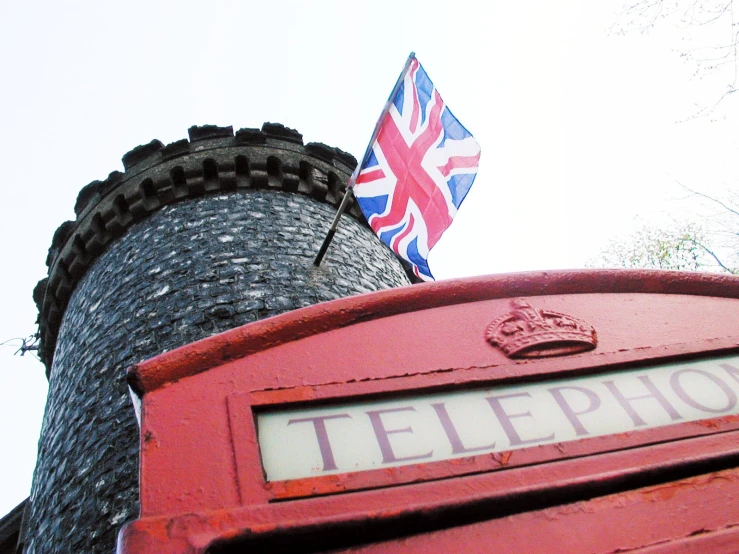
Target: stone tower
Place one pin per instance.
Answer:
(194, 238)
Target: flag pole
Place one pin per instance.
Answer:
(353, 179)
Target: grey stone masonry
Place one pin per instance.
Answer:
(193, 239)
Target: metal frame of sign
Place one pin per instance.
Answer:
(243, 407)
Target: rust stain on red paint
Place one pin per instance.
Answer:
(502, 457)
(305, 487)
(390, 513)
(158, 532)
(293, 394)
(662, 493)
(470, 460)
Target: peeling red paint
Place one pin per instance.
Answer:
(504, 457)
(661, 493)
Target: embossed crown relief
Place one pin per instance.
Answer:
(527, 332)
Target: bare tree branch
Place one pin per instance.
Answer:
(711, 198)
(710, 39)
(707, 242)
(715, 257)
(720, 14)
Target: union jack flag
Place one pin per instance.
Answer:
(417, 171)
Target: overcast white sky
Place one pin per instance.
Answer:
(580, 129)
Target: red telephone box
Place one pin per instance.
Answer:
(587, 411)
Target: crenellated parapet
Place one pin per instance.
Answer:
(213, 160)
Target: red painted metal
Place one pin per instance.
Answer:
(696, 515)
(202, 481)
(402, 302)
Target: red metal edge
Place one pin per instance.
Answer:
(247, 456)
(721, 541)
(479, 377)
(695, 515)
(241, 406)
(245, 405)
(242, 341)
(496, 461)
(193, 533)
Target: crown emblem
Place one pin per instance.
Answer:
(526, 332)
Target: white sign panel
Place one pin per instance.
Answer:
(341, 438)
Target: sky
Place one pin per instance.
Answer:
(584, 131)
